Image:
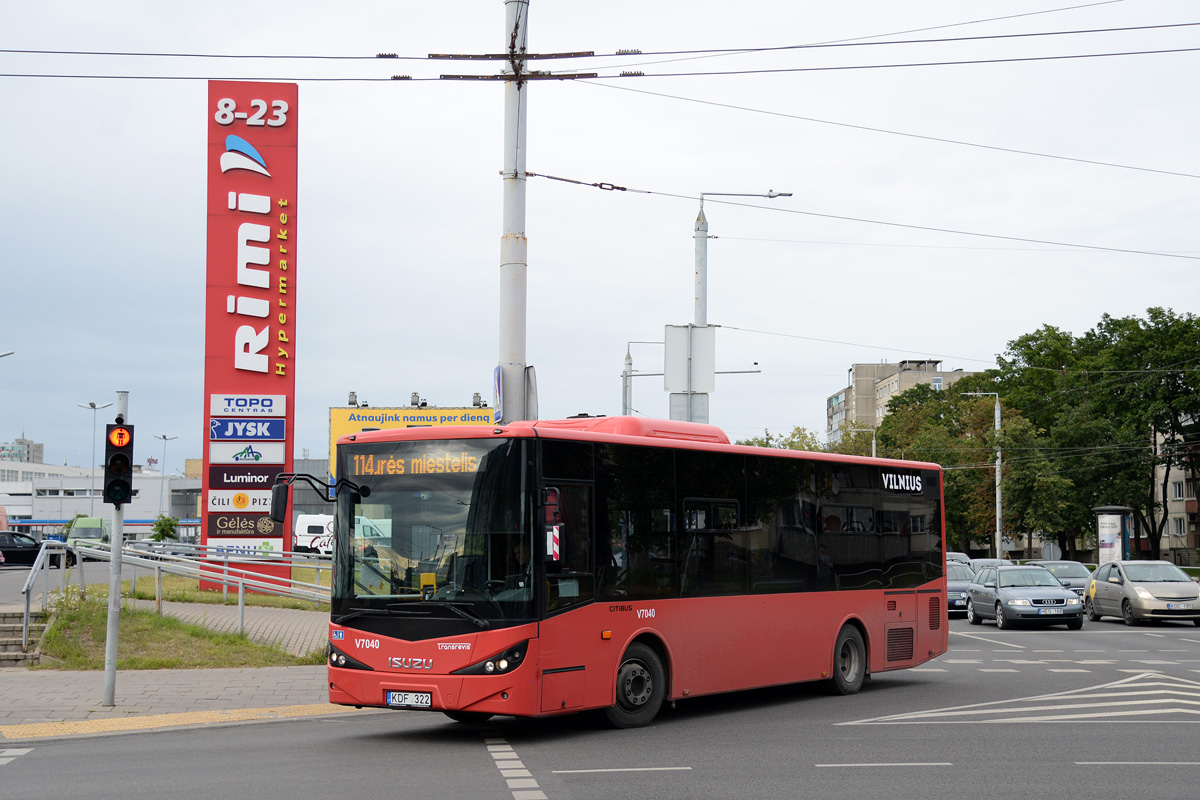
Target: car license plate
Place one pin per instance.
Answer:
(409, 699)
(1180, 606)
(1050, 610)
(957, 603)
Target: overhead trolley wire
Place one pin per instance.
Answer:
(864, 220)
(939, 139)
(589, 54)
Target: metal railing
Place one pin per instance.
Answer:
(207, 564)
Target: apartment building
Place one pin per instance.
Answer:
(864, 401)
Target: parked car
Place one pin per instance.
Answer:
(1022, 594)
(19, 548)
(1071, 574)
(1142, 590)
(958, 578)
(977, 564)
(961, 558)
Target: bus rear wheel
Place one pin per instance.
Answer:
(641, 687)
(468, 716)
(849, 661)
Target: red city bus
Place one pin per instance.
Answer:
(617, 563)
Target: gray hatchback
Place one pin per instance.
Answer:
(1142, 590)
(1022, 594)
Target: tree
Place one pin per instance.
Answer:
(1037, 496)
(165, 528)
(799, 439)
(1154, 389)
(947, 428)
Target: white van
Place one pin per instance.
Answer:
(313, 534)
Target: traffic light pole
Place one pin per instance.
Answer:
(116, 543)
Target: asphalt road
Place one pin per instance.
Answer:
(1103, 712)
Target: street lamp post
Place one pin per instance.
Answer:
(865, 430)
(92, 466)
(999, 514)
(163, 468)
(694, 412)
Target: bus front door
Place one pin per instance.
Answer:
(565, 644)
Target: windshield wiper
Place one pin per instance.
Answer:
(470, 616)
(361, 612)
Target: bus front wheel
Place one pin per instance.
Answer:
(849, 661)
(641, 687)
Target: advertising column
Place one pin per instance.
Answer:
(249, 317)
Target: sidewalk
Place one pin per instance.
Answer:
(43, 703)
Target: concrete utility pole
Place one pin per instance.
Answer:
(697, 350)
(866, 430)
(163, 469)
(999, 506)
(514, 263)
(116, 544)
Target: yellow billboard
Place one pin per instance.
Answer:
(355, 419)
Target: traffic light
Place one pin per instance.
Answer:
(118, 464)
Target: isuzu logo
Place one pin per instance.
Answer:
(410, 663)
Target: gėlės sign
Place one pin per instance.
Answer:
(242, 525)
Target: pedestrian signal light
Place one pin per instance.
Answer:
(118, 464)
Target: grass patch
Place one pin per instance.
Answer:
(177, 588)
(76, 640)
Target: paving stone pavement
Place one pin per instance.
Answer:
(40, 703)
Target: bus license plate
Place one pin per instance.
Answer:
(1050, 610)
(1180, 606)
(409, 699)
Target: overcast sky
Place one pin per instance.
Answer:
(398, 219)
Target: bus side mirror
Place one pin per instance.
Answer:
(279, 501)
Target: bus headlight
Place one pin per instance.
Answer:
(339, 659)
(498, 664)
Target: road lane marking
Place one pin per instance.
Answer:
(621, 769)
(892, 764)
(1138, 763)
(519, 780)
(1146, 697)
(989, 641)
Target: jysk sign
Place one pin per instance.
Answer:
(245, 429)
(250, 322)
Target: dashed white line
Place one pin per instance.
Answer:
(620, 769)
(1138, 763)
(518, 779)
(892, 764)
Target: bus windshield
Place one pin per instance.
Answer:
(435, 530)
